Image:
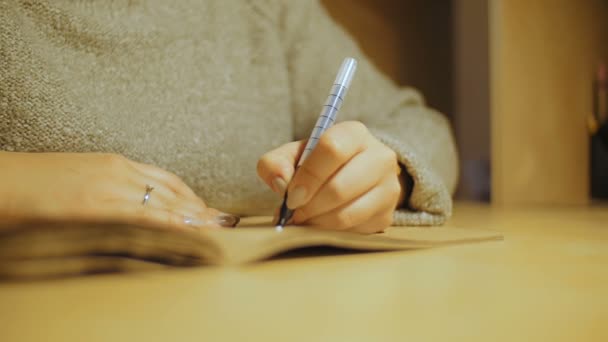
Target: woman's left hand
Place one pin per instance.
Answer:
(351, 181)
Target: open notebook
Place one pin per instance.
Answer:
(60, 249)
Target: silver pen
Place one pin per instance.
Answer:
(326, 119)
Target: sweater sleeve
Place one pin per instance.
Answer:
(315, 47)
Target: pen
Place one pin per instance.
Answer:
(326, 119)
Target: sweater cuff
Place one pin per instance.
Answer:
(430, 203)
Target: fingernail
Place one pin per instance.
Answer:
(227, 220)
(279, 185)
(296, 197)
(195, 223)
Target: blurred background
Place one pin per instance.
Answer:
(518, 79)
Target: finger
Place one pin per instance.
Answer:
(177, 196)
(377, 201)
(276, 167)
(125, 205)
(223, 219)
(171, 181)
(158, 217)
(376, 224)
(121, 196)
(357, 177)
(163, 200)
(196, 214)
(162, 197)
(335, 148)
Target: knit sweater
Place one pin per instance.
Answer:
(203, 88)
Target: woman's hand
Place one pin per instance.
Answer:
(351, 181)
(95, 186)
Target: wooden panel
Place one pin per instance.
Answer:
(472, 97)
(543, 54)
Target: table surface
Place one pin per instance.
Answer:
(547, 281)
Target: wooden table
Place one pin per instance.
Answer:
(547, 281)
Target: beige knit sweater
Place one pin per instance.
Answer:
(203, 88)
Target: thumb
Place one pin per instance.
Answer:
(276, 167)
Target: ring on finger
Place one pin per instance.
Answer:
(149, 189)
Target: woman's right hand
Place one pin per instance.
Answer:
(99, 187)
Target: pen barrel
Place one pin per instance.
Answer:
(326, 119)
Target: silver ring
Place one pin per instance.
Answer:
(149, 189)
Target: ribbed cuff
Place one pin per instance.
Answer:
(430, 203)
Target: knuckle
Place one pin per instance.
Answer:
(113, 160)
(387, 219)
(173, 219)
(358, 127)
(160, 216)
(330, 145)
(384, 155)
(388, 155)
(302, 213)
(345, 220)
(395, 187)
(264, 163)
(397, 190)
(337, 191)
(105, 190)
(307, 174)
(116, 164)
(174, 182)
